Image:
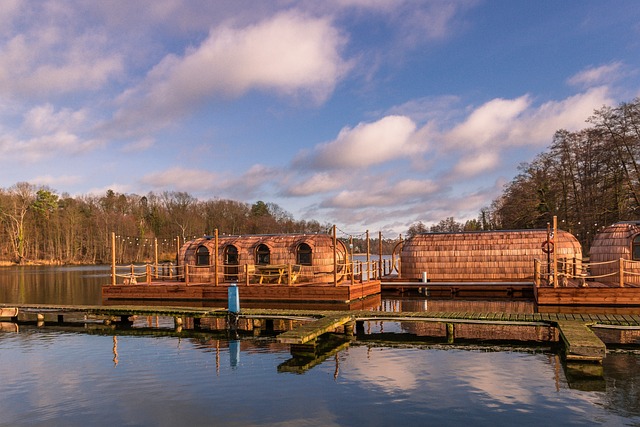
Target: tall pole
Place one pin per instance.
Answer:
(368, 258)
(335, 258)
(155, 245)
(178, 260)
(380, 266)
(215, 259)
(113, 258)
(555, 253)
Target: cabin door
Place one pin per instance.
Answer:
(231, 262)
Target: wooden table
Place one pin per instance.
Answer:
(277, 273)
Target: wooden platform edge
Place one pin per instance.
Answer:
(581, 343)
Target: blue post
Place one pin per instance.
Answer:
(234, 299)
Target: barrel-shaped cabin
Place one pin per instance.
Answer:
(257, 258)
(486, 256)
(620, 241)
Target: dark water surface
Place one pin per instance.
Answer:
(96, 376)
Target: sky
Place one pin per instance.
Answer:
(368, 114)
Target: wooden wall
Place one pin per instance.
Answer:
(484, 256)
(612, 244)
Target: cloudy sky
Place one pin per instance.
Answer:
(370, 114)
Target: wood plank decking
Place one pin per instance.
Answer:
(581, 344)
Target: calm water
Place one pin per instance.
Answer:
(97, 376)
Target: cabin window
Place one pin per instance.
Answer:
(263, 255)
(202, 255)
(635, 248)
(303, 255)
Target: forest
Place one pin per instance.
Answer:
(588, 179)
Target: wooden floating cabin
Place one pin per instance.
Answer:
(616, 245)
(484, 256)
(237, 258)
(610, 278)
(307, 268)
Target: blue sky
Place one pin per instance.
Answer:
(370, 114)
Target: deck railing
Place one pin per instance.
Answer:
(289, 274)
(583, 271)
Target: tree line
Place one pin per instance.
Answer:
(588, 179)
(39, 225)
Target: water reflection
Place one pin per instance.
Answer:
(120, 377)
(53, 285)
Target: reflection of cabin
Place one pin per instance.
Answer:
(484, 256)
(615, 242)
(309, 255)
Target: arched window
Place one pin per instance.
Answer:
(635, 248)
(202, 255)
(263, 255)
(303, 254)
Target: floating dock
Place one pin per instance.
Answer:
(577, 331)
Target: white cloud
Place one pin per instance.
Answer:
(365, 145)
(388, 194)
(52, 60)
(53, 181)
(142, 144)
(180, 179)
(290, 54)
(489, 122)
(45, 119)
(477, 163)
(316, 184)
(593, 76)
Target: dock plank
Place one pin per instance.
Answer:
(581, 343)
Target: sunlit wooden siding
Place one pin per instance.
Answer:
(482, 256)
(609, 246)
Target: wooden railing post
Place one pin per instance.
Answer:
(246, 274)
(113, 258)
(368, 258)
(215, 257)
(536, 272)
(622, 272)
(186, 274)
(289, 274)
(148, 267)
(335, 258)
(555, 252)
(380, 265)
(155, 246)
(353, 267)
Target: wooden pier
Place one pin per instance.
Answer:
(576, 331)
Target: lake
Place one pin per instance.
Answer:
(141, 376)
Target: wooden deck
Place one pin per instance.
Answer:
(177, 291)
(594, 294)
